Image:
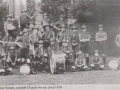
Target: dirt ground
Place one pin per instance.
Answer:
(69, 78)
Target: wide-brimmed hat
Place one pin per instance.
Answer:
(52, 40)
(100, 25)
(12, 48)
(35, 28)
(84, 27)
(63, 26)
(79, 53)
(74, 27)
(40, 41)
(9, 16)
(25, 30)
(62, 16)
(45, 14)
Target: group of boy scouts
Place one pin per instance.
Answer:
(38, 41)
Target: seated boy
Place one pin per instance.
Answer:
(97, 61)
(80, 61)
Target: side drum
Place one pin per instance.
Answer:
(113, 64)
(57, 63)
(25, 69)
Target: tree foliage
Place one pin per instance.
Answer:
(83, 10)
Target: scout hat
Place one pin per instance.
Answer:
(61, 16)
(9, 16)
(35, 28)
(100, 25)
(52, 40)
(68, 51)
(74, 27)
(63, 26)
(96, 51)
(83, 26)
(40, 41)
(12, 48)
(25, 30)
(45, 14)
(79, 53)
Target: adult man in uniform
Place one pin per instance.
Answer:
(9, 28)
(84, 38)
(101, 37)
(75, 40)
(24, 20)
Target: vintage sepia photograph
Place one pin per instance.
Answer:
(59, 42)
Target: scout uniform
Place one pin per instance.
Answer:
(46, 20)
(97, 61)
(84, 38)
(12, 57)
(80, 61)
(24, 20)
(25, 38)
(65, 45)
(9, 27)
(4, 70)
(24, 51)
(101, 37)
(39, 51)
(62, 35)
(47, 35)
(59, 23)
(75, 40)
(34, 38)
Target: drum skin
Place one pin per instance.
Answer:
(57, 61)
(113, 64)
(25, 69)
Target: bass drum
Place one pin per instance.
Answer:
(25, 69)
(113, 64)
(57, 63)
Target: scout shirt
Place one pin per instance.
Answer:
(47, 35)
(96, 60)
(80, 61)
(35, 37)
(101, 36)
(84, 37)
(8, 25)
(74, 38)
(62, 35)
(46, 21)
(39, 52)
(24, 39)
